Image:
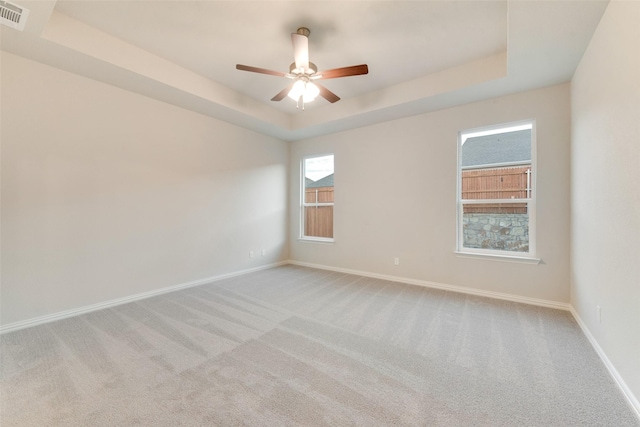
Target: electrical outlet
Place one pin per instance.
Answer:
(396, 261)
(250, 254)
(264, 252)
(599, 313)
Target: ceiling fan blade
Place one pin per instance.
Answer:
(300, 51)
(284, 92)
(354, 70)
(327, 94)
(259, 70)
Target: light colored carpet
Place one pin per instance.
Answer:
(296, 346)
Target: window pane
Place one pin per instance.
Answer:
(499, 226)
(497, 164)
(497, 183)
(319, 194)
(318, 191)
(318, 221)
(316, 168)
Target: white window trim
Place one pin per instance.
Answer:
(526, 257)
(498, 257)
(310, 239)
(302, 237)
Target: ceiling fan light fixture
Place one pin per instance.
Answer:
(297, 90)
(307, 90)
(310, 93)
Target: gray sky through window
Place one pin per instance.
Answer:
(318, 167)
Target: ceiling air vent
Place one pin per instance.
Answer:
(12, 15)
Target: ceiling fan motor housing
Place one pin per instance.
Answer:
(313, 68)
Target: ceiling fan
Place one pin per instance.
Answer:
(305, 73)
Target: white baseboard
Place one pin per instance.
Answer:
(453, 288)
(631, 398)
(10, 327)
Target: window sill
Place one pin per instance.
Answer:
(496, 257)
(316, 240)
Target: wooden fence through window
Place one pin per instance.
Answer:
(498, 183)
(318, 220)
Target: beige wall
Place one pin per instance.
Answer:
(107, 194)
(395, 196)
(605, 214)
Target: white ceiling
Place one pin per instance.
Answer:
(422, 55)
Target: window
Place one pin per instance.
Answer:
(496, 190)
(317, 198)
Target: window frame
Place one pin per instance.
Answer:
(527, 257)
(303, 204)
